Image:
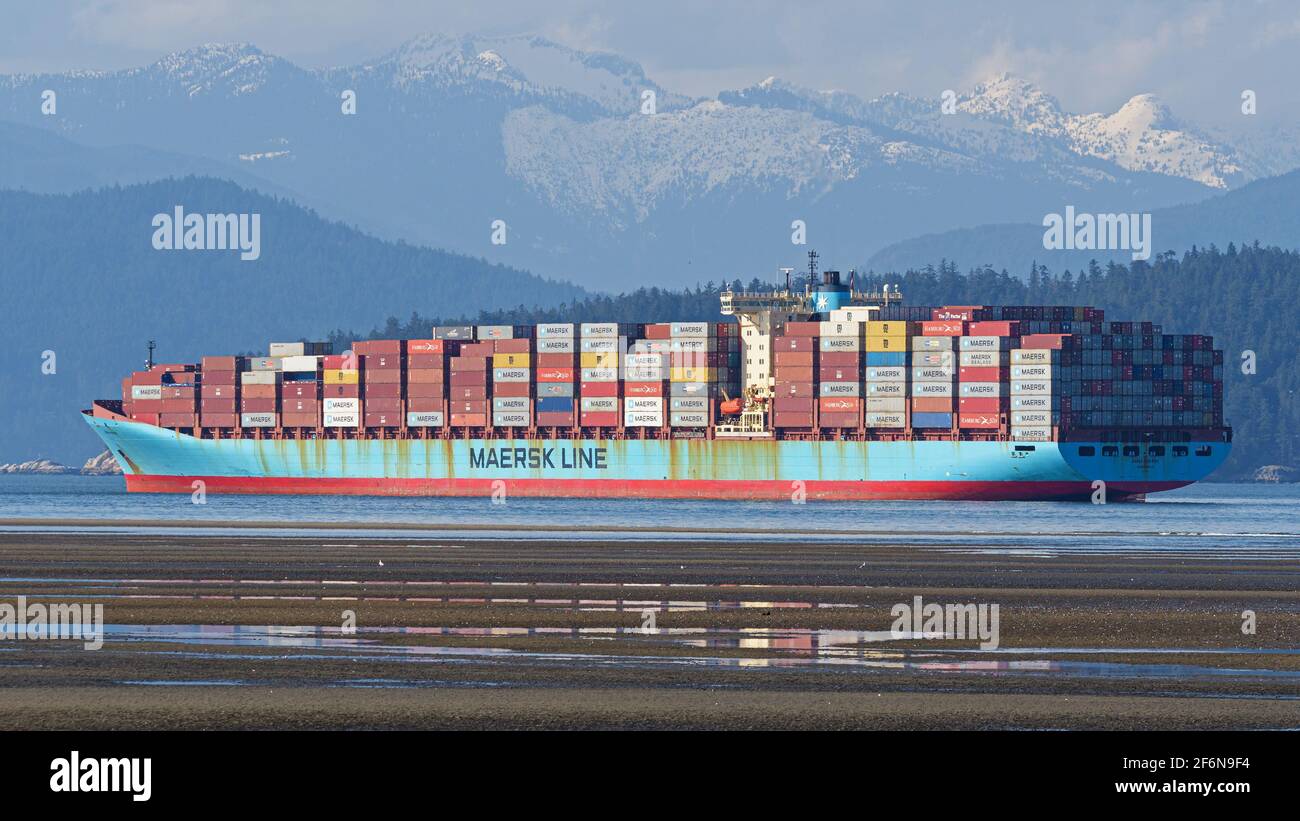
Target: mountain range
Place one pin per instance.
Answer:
(452, 134)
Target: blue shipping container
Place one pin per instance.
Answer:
(886, 359)
(931, 420)
(547, 404)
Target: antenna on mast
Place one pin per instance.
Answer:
(787, 272)
(148, 363)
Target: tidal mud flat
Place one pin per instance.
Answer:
(323, 631)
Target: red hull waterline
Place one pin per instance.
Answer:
(644, 489)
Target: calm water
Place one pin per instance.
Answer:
(1259, 520)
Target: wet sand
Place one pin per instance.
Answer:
(506, 634)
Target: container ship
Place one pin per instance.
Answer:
(819, 392)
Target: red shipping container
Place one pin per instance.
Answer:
(219, 363)
(839, 359)
(341, 391)
(383, 405)
(523, 345)
(299, 390)
(462, 363)
(377, 346)
(467, 392)
(385, 376)
(981, 421)
(145, 418)
(218, 420)
(792, 420)
(298, 419)
(259, 392)
(423, 404)
(178, 405)
(958, 313)
(839, 420)
(147, 405)
(983, 404)
(797, 344)
(299, 406)
(375, 419)
(659, 330)
(942, 328)
(512, 389)
(793, 359)
(381, 361)
(547, 374)
(484, 348)
(178, 420)
(254, 405)
(340, 362)
(805, 329)
(469, 420)
(598, 389)
(218, 406)
(426, 347)
(1053, 341)
(839, 404)
(426, 390)
(146, 378)
(426, 361)
(555, 419)
(840, 374)
(190, 392)
(383, 391)
(554, 360)
(219, 378)
(599, 419)
(993, 328)
(431, 375)
(173, 367)
(785, 373)
(972, 373)
(791, 404)
(468, 379)
(803, 389)
(643, 388)
(468, 405)
(932, 404)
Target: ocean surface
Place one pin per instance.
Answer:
(1244, 520)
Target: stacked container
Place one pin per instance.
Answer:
(693, 372)
(839, 371)
(600, 404)
(885, 377)
(794, 368)
(646, 385)
(512, 377)
(300, 387)
(469, 378)
(426, 382)
(555, 372)
(219, 391)
(341, 390)
(934, 372)
(382, 365)
(982, 374)
(259, 394)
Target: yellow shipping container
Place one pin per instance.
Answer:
(881, 344)
(340, 377)
(598, 359)
(890, 327)
(689, 374)
(511, 360)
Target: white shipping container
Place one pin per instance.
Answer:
(834, 344)
(146, 391)
(643, 403)
(933, 373)
(645, 374)
(692, 419)
(599, 344)
(644, 360)
(886, 374)
(1031, 419)
(933, 358)
(886, 388)
(424, 419)
(932, 343)
(1038, 402)
(511, 374)
(860, 314)
(985, 389)
(693, 344)
(1034, 387)
(1031, 434)
(257, 420)
(287, 349)
(555, 346)
(599, 374)
(980, 359)
(511, 403)
(643, 419)
(691, 329)
(931, 388)
(980, 343)
(555, 331)
(590, 329)
(511, 419)
(300, 364)
(886, 420)
(1042, 372)
(680, 404)
(839, 389)
(600, 403)
(494, 332)
(840, 329)
(1032, 356)
(342, 406)
(886, 404)
(257, 377)
(349, 419)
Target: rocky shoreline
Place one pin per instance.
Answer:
(102, 465)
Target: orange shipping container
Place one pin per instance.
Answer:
(555, 374)
(839, 404)
(469, 420)
(932, 404)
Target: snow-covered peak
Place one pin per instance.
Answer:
(239, 68)
(1016, 101)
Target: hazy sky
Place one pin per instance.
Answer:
(1093, 56)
